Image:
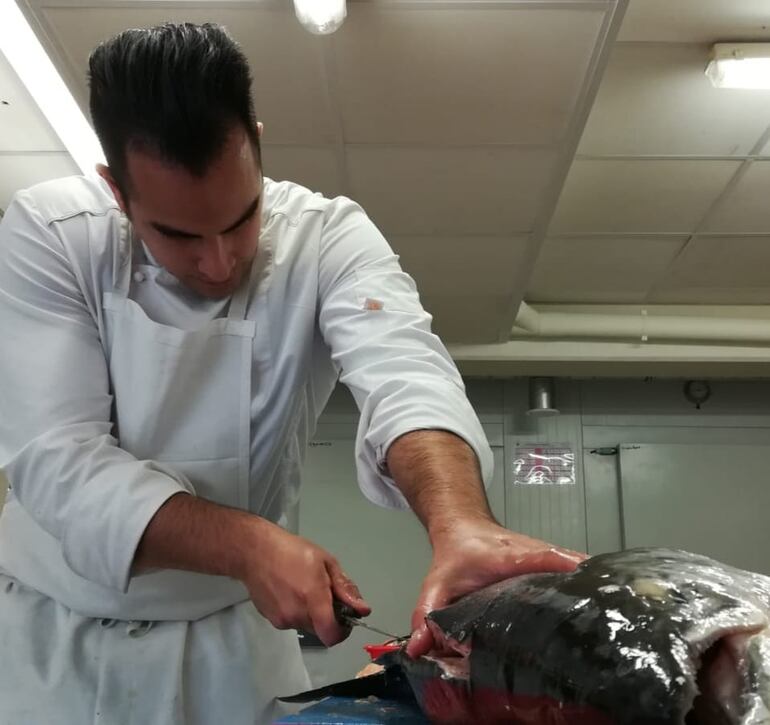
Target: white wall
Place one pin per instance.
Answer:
(697, 479)
(600, 415)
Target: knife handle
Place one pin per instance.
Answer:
(343, 612)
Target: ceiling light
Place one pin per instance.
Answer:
(320, 17)
(23, 50)
(740, 65)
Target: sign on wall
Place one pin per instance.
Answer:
(544, 464)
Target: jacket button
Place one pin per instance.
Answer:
(139, 277)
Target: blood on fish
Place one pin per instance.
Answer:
(452, 704)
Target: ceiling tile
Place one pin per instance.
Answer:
(289, 86)
(20, 172)
(719, 270)
(24, 127)
(639, 196)
(655, 99)
(746, 208)
(408, 75)
(468, 319)
(459, 191)
(613, 270)
(315, 168)
(696, 21)
(461, 265)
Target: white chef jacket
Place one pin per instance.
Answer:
(338, 305)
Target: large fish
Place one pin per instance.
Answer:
(641, 637)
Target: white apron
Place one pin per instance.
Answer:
(177, 647)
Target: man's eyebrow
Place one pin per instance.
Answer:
(246, 215)
(171, 232)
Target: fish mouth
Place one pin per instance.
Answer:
(729, 681)
(446, 645)
(450, 654)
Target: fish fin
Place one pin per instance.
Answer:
(387, 685)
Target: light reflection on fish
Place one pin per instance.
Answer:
(641, 637)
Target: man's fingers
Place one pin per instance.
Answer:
(345, 589)
(425, 604)
(432, 597)
(320, 608)
(324, 621)
(285, 616)
(552, 559)
(421, 642)
(575, 557)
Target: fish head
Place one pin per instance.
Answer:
(646, 636)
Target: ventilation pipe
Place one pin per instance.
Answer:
(541, 397)
(644, 325)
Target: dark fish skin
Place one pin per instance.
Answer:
(624, 633)
(640, 637)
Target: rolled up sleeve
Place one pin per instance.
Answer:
(57, 446)
(398, 371)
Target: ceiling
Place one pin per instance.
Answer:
(556, 151)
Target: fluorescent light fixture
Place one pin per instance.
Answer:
(320, 17)
(20, 46)
(740, 65)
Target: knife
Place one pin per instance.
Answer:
(348, 617)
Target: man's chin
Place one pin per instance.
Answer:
(212, 290)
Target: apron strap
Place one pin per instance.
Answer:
(240, 299)
(122, 261)
(257, 277)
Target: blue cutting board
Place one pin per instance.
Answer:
(348, 711)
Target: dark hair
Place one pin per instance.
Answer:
(176, 90)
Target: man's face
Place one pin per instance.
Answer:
(204, 230)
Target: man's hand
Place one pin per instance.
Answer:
(473, 555)
(440, 477)
(292, 583)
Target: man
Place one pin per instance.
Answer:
(171, 334)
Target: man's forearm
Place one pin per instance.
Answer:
(193, 534)
(290, 580)
(438, 472)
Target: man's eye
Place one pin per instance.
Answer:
(247, 220)
(177, 237)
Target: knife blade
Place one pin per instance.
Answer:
(348, 617)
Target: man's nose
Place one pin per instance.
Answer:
(217, 261)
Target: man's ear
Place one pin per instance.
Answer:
(106, 174)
